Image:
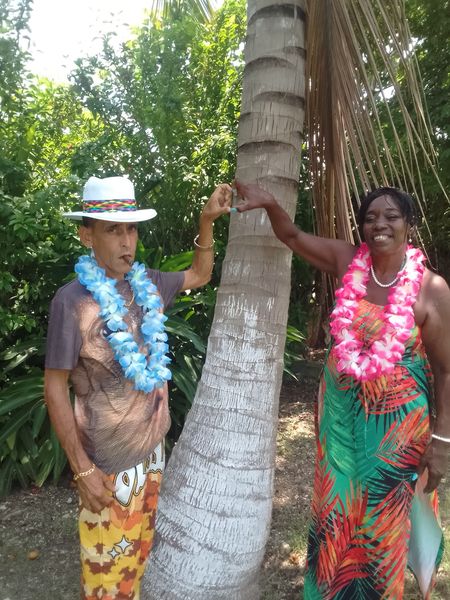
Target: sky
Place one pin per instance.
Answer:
(63, 30)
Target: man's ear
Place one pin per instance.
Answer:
(85, 235)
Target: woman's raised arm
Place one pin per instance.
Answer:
(326, 254)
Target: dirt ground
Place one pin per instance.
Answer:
(38, 532)
(283, 568)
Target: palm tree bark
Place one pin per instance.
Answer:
(216, 501)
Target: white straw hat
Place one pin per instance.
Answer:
(111, 199)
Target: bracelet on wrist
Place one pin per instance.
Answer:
(84, 473)
(197, 245)
(440, 438)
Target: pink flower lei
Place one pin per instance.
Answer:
(367, 363)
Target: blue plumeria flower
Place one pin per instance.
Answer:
(164, 373)
(161, 347)
(148, 329)
(115, 323)
(125, 361)
(128, 347)
(138, 358)
(135, 367)
(145, 383)
(152, 302)
(116, 339)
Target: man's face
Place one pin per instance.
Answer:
(114, 245)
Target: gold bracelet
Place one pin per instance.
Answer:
(84, 473)
(197, 245)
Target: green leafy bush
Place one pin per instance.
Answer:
(29, 449)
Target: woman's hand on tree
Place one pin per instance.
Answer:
(252, 196)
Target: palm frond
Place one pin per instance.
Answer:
(323, 500)
(202, 10)
(366, 114)
(381, 397)
(391, 550)
(336, 424)
(345, 554)
(405, 441)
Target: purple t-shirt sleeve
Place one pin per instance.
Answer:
(63, 334)
(169, 284)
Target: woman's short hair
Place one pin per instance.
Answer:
(404, 201)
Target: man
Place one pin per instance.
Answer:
(106, 334)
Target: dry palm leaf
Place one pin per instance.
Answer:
(360, 64)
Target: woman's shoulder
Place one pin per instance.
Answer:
(432, 311)
(434, 285)
(433, 301)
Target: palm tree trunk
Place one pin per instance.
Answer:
(215, 506)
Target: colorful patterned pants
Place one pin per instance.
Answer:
(116, 542)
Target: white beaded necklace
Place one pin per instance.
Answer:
(391, 283)
(383, 285)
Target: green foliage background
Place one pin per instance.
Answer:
(163, 108)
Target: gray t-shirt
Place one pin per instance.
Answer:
(119, 426)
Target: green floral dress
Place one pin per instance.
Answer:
(369, 515)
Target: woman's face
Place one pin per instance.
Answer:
(384, 227)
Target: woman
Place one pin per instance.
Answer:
(369, 507)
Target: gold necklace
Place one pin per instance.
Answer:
(128, 304)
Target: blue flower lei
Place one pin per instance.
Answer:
(147, 371)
